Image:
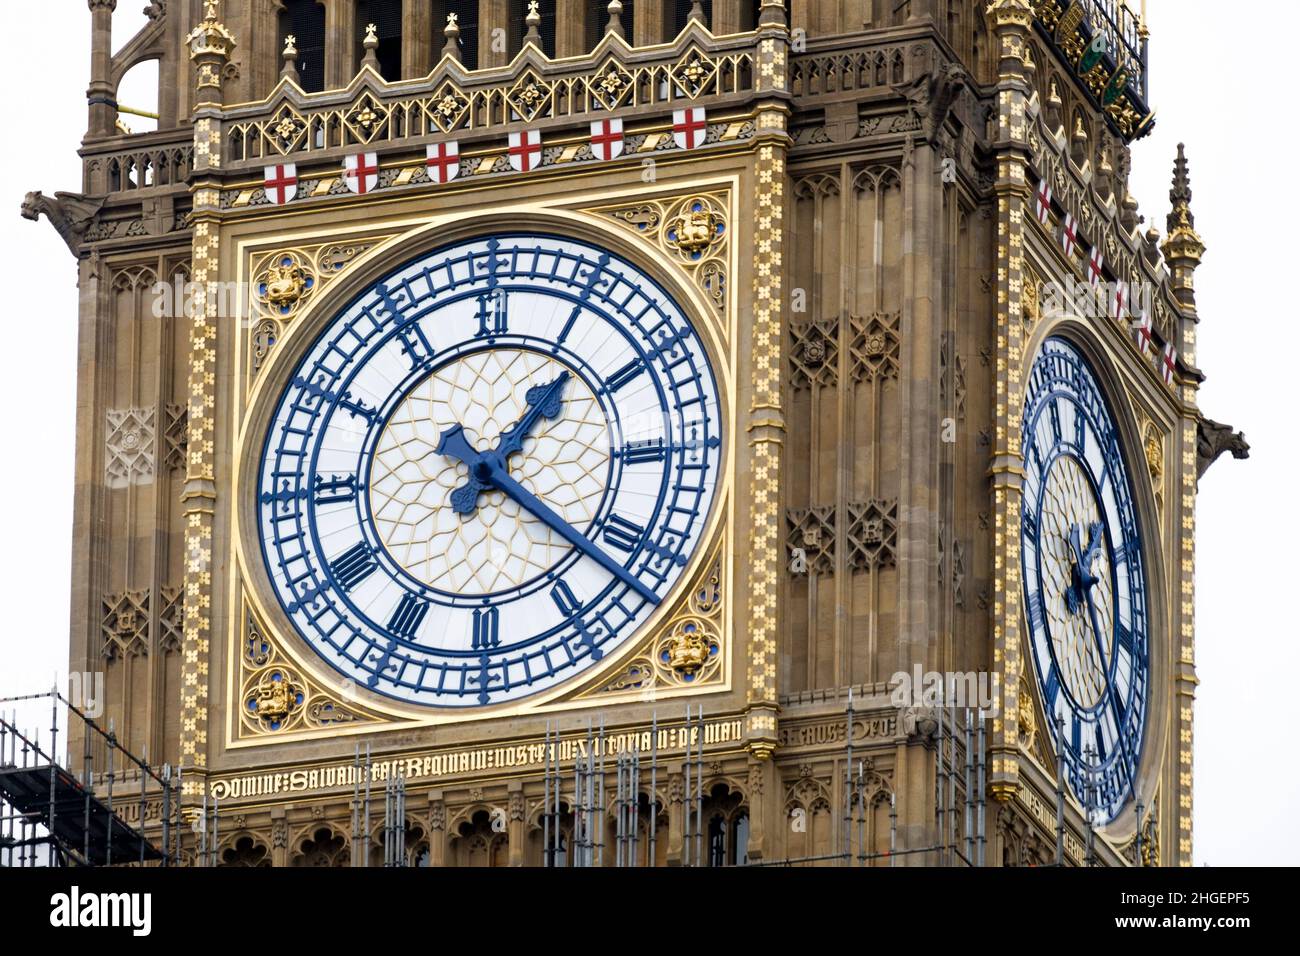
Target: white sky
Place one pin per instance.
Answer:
(1247, 782)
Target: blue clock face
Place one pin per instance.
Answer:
(1085, 587)
(489, 470)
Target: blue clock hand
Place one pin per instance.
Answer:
(1088, 580)
(1081, 576)
(499, 478)
(454, 444)
(544, 401)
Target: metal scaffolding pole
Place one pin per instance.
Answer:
(686, 795)
(365, 820)
(699, 794)
(979, 829)
(654, 798)
(1060, 795)
(546, 798)
(970, 794)
(356, 804)
(600, 803)
(893, 827)
(846, 843)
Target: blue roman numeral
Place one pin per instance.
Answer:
(1125, 638)
(415, 346)
(336, 489)
(353, 566)
(642, 452)
(570, 607)
(486, 624)
(622, 534)
(624, 375)
(565, 599)
(408, 616)
(493, 317)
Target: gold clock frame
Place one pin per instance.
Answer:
(255, 392)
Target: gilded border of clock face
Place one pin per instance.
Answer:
(1085, 584)
(707, 354)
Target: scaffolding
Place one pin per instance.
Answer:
(50, 816)
(960, 799)
(585, 814)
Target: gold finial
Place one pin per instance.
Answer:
(1183, 246)
(289, 48)
(1054, 94)
(210, 45)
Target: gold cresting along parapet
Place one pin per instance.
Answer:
(1107, 55)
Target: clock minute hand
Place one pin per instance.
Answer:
(1094, 619)
(501, 479)
(544, 401)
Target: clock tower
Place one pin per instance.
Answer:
(586, 433)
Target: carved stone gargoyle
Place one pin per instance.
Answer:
(931, 95)
(69, 213)
(1212, 440)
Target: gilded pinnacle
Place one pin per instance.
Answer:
(1183, 241)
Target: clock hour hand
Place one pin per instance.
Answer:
(1081, 576)
(501, 479)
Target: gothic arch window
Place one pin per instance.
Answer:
(740, 839)
(323, 848)
(413, 839)
(246, 851)
(304, 20)
(479, 844)
(467, 22)
(386, 15)
(642, 848)
(727, 827)
(138, 90)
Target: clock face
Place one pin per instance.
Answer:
(489, 470)
(1085, 587)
